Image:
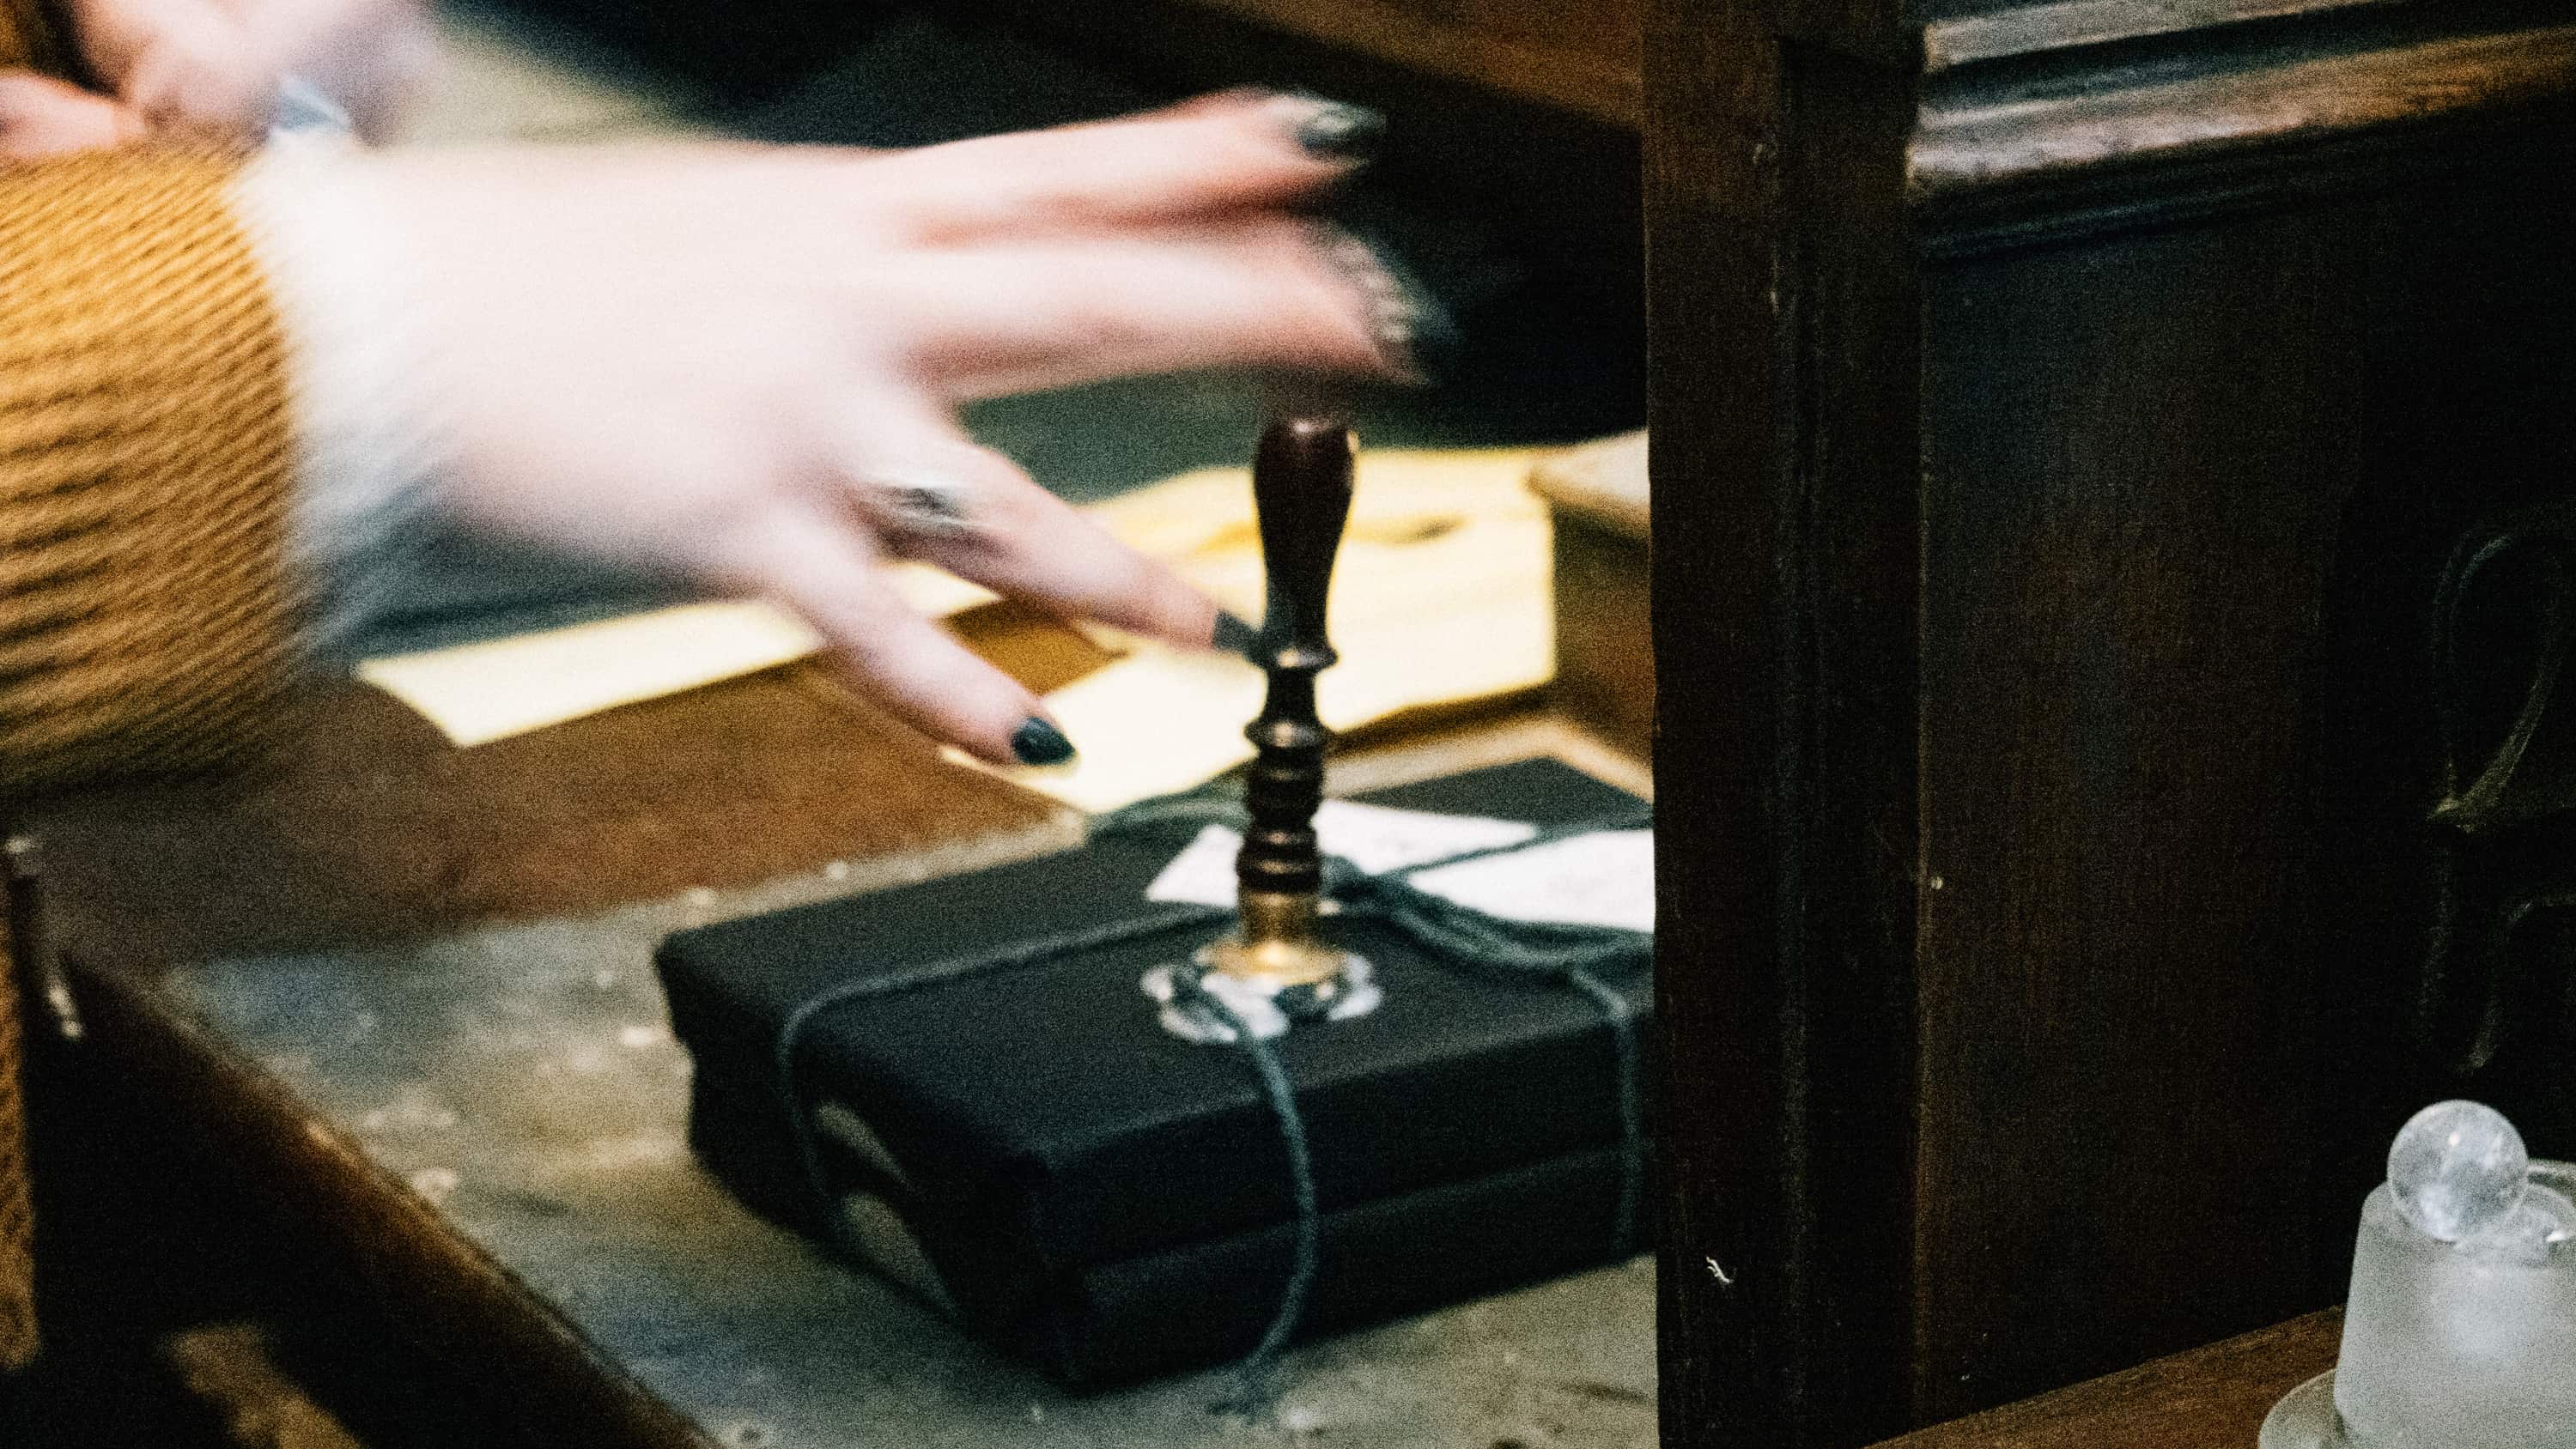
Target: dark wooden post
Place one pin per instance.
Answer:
(1783, 373)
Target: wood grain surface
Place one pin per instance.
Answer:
(1567, 53)
(2045, 566)
(2208, 1398)
(365, 824)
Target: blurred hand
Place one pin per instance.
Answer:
(742, 364)
(215, 65)
(41, 116)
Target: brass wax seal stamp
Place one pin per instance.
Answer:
(1276, 969)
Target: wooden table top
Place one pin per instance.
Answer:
(408, 988)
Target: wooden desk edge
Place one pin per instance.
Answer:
(458, 1303)
(2212, 1397)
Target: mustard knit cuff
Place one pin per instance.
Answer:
(145, 457)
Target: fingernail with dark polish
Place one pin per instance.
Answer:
(1232, 634)
(1335, 131)
(1407, 323)
(1037, 742)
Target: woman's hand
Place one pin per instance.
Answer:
(214, 66)
(742, 365)
(41, 116)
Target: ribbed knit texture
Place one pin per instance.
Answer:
(20, 44)
(145, 454)
(144, 457)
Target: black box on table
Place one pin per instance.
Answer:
(1030, 1148)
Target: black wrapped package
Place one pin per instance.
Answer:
(1026, 1145)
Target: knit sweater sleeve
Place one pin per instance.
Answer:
(146, 454)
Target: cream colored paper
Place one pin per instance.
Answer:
(476, 693)
(1441, 596)
(1152, 723)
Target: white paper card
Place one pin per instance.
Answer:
(1381, 838)
(1376, 838)
(1605, 878)
(1203, 874)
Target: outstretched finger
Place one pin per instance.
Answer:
(935, 494)
(1226, 153)
(819, 565)
(1266, 292)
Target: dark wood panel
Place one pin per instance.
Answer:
(2046, 563)
(2332, 89)
(2469, 432)
(1783, 342)
(1714, 214)
(2136, 455)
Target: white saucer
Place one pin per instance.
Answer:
(2305, 1418)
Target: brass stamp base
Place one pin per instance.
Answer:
(1275, 964)
(1278, 942)
(1267, 1005)
(1272, 974)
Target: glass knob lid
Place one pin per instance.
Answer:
(2457, 1168)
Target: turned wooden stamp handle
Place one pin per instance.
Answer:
(1301, 492)
(1301, 489)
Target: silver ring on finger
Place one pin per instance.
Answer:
(923, 506)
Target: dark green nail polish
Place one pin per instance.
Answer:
(1411, 328)
(1233, 635)
(1037, 742)
(1337, 132)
